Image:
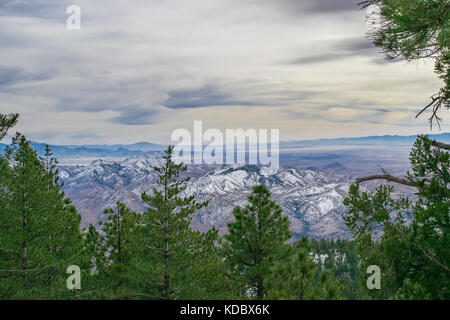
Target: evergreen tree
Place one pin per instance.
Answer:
(171, 259)
(417, 30)
(293, 277)
(326, 287)
(112, 251)
(39, 229)
(256, 239)
(413, 251)
(341, 258)
(7, 121)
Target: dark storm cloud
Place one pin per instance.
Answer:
(136, 115)
(10, 75)
(207, 96)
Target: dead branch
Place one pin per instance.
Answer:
(436, 104)
(440, 145)
(388, 177)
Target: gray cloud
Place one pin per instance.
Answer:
(306, 7)
(350, 112)
(47, 9)
(323, 6)
(352, 47)
(84, 135)
(10, 75)
(333, 5)
(259, 94)
(207, 96)
(131, 65)
(135, 115)
(321, 58)
(356, 46)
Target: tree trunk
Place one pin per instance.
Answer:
(166, 240)
(261, 291)
(302, 286)
(24, 244)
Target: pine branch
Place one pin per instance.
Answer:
(9, 272)
(7, 122)
(136, 295)
(424, 251)
(368, 3)
(388, 177)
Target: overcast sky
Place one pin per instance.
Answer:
(138, 69)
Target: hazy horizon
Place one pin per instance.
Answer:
(8, 138)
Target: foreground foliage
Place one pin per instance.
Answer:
(415, 30)
(156, 255)
(408, 238)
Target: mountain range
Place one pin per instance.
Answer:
(310, 185)
(311, 199)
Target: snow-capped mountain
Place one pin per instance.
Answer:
(312, 200)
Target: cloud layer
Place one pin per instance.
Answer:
(138, 70)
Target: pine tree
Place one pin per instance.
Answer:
(340, 257)
(39, 229)
(7, 121)
(171, 259)
(417, 30)
(300, 274)
(256, 239)
(326, 287)
(414, 249)
(111, 250)
(293, 277)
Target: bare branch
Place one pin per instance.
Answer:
(436, 104)
(386, 176)
(433, 100)
(440, 145)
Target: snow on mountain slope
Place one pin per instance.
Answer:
(312, 200)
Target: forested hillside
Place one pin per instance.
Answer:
(155, 254)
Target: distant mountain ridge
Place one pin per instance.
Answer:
(138, 146)
(95, 151)
(443, 137)
(141, 148)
